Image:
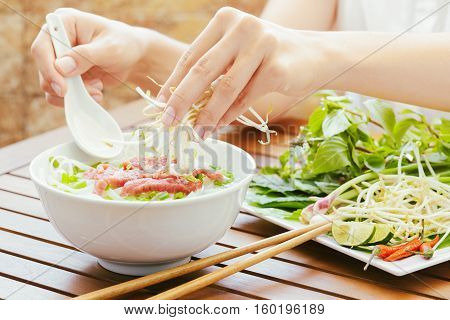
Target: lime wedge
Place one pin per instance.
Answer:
(352, 233)
(383, 233)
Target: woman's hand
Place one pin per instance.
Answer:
(255, 56)
(104, 53)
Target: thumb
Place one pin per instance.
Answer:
(79, 60)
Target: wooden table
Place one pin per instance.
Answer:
(31, 250)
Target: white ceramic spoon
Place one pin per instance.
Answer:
(91, 125)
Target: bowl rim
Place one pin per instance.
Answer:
(236, 186)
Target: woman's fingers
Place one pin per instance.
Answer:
(208, 68)
(54, 100)
(212, 33)
(83, 57)
(96, 94)
(44, 55)
(93, 86)
(257, 86)
(78, 61)
(228, 89)
(45, 85)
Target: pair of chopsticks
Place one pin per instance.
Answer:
(279, 244)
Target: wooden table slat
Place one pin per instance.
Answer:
(53, 278)
(23, 172)
(19, 203)
(28, 226)
(15, 290)
(18, 185)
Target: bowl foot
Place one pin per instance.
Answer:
(140, 269)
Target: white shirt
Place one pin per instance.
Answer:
(393, 16)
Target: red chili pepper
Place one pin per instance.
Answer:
(382, 251)
(426, 249)
(405, 251)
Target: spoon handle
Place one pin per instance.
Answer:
(61, 44)
(58, 34)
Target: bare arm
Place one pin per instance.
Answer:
(159, 57)
(295, 14)
(411, 69)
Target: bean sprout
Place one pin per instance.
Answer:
(410, 204)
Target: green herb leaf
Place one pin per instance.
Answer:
(445, 243)
(55, 162)
(162, 196)
(179, 195)
(278, 213)
(316, 120)
(264, 201)
(402, 126)
(284, 158)
(382, 113)
(326, 187)
(307, 186)
(269, 170)
(331, 155)
(80, 185)
(272, 182)
(335, 123)
(374, 162)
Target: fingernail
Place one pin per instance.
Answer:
(97, 97)
(66, 64)
(208, 133)
(97, 84)
(200, 131)
(168, 116)
(161, 98)
(56, 88)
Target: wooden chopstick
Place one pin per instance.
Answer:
(142, 282)
(215, 276)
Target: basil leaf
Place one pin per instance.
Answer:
(335, 123)
(382, 113)
(374, 162)
(355, 157)
(402, 127)
(316, 120)
(306, 186)
(278, 213)
(272, 182)
(331, 155)
(326, 187)
(284, 158)
(264, 201)
(269, 170)
(342, 99)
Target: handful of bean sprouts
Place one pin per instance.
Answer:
(183, 133)
(414, 206)
(192, 114)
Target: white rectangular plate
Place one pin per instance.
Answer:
(398, 268)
